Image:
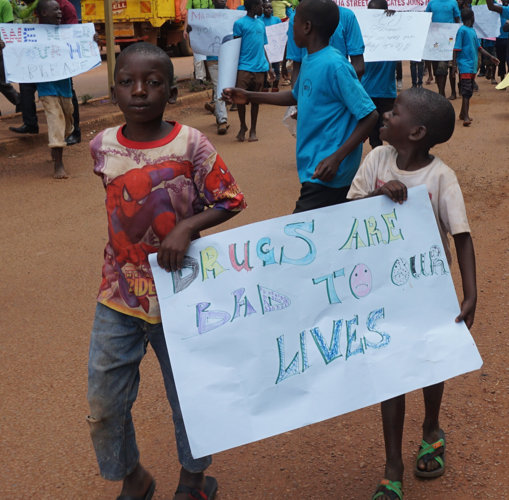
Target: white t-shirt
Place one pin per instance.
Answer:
(379, 167)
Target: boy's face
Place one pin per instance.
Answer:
(399, 123)
(51, 13)
(219, 4)
(258, 9)
(142, 88)
(267, 9)
(300, 30)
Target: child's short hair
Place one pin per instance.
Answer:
(41, 6)
(322, 14)
(378, 4)
(150, 50)
(249, 4)
(467, 15)
(433, 111)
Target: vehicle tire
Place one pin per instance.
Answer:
(185, 48)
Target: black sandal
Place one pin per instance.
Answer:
(194, 494)
(148, 495)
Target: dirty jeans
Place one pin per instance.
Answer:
(117, 346)
(221, 116)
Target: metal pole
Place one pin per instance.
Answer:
(110, 42)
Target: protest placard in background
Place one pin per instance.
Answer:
(398, 5)
(228, 63)
(277, 35)
(400, 37)
(487, 23)
(291, 321)
(46, 52)
(440, 42)
(209, 27)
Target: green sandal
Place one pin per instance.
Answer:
(393, 490)
(425, 453)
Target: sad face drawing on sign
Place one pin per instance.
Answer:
(360, 281)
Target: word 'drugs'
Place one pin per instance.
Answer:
(291, 321)
(46, 52)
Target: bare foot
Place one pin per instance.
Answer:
(242, 134)
(60, 173)
(196, 481)
(137, 483)
(493, 81)
(429, 81)
(452, 97)
(252, 136)
(467, 122)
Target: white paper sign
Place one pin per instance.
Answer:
(209, 27)
(400, 37)
(46, 52)
(487, 23)
(440, 42)
(291, 321)
(228, 63)
(277, 35)
(398, 5)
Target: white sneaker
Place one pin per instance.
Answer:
(399, 84)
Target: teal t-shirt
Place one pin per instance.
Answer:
(252, 51)
(379, 79)
(61, 88)
(503, 34)
(347, 38)
(467, 45)
(331, 101)
(270, 21)
(443, 11)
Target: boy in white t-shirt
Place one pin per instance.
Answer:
(420, 120)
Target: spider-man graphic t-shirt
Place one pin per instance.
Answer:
(150, 187)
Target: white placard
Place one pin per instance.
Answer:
(291, 321)
(209, 27)
(398, 5)
(277, 35)
(228, 63)
(46, 52)
(440, 42)
(400, 37)
(487, 22)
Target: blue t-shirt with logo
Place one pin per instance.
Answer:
(347, 38)
(269, 21)
(467, 45)
(444, 11)
(379, 79)
(252, 51)
(331, 101)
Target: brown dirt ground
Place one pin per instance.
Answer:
(53, 236)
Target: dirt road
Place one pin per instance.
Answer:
(53, 237)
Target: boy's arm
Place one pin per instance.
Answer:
(272, 75)
(358, 65)
(466, 260)
(494, 7)
(174, 246)
(494, 60)
(239, 96)
(327, 168)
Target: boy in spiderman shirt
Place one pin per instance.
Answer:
(159, 178)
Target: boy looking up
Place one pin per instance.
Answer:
(380, 83)
(253, 62)
(420, 120)
(466, 50)
(335, 113)
(164, 184)
(347, 39)
(444, 11)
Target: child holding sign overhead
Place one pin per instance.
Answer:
(419, 120)
(335, 112)
(164, 184)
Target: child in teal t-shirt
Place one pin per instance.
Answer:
(335, 112)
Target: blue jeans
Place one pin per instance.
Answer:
(117, 346)
(416, 70)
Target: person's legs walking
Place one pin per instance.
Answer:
(219, 105)
(501, 50)
(10, 93)
(117, 346)
(75, 137)
(199, 69)
(192, 473)
(27, 94)
(413, 72)
(399, 75)
(420, 73)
